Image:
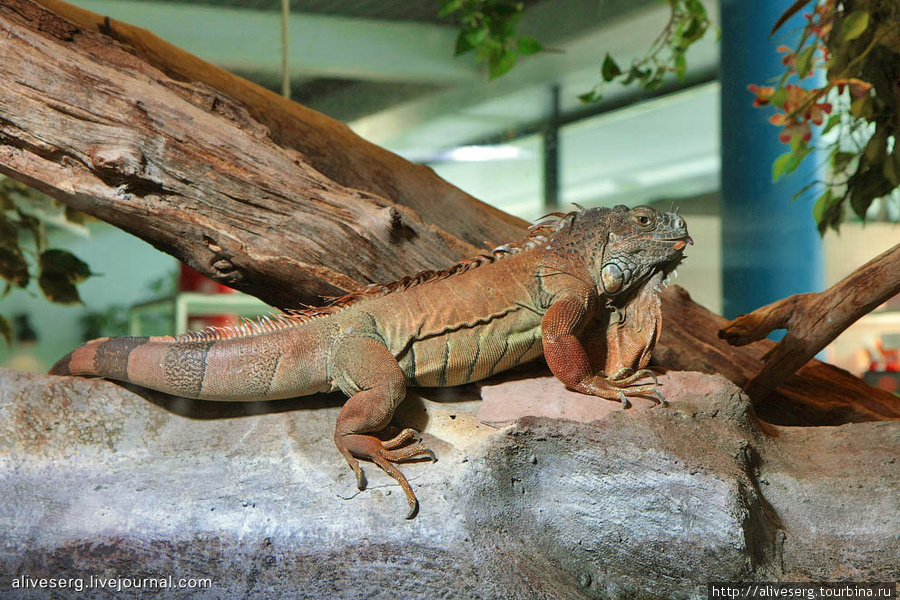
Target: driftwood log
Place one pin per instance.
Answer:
(274, 199)
(813, 320)
(818, 394)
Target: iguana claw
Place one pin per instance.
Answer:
(405, 446)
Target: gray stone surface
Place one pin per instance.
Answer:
(644, 503)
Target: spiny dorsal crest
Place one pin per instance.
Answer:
(538, 234)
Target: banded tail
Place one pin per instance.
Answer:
(254, 367)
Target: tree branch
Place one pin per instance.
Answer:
(818, 394)
(327, 145)
(813, 320)
(223, 174)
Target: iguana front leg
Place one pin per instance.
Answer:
(368, 373)
(569, 361)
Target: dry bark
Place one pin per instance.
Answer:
(818, 394)
(263, 194)
(258, 192)
(813, 320)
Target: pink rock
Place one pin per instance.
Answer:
(505, 402)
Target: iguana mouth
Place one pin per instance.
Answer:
(679, 243)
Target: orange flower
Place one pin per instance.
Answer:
(790, 58)
(858, 87)
(816, 112)
(763, 93)
(792, 127)
(795, 97)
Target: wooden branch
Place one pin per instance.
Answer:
(327, 145)
(813, 320)
(819, 394)
(186, 167)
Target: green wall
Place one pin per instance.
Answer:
(127, 266)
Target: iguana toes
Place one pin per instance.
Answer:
(581, 289)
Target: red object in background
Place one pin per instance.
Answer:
(190, 280)
(890, 357)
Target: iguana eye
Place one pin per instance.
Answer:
(645, 217)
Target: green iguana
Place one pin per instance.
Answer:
(581, 289)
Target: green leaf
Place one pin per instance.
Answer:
(840, 160)
(696, 8)
(798, 155)
(866, 187)
(6, 330)
(13, 267)
(633, 73)
(797, 143)
(58, 288)
(832, 121)
(690, 34)
(527, 46)
(876, 148)
(781, 164)
(821, 206)
(463, 44)
(477, 36)
(502, 64)
(61, 271)
(450, 6)
(506, 26)
(610, 69)
(827, 211)
(656, 80)
(63, 261)
(804, 62)
(33, 226)
(504, 10)
(9, 233)
(778, 97)
(680, 65)
(892, 165)
(75, 216)
(588, 97)
(855, 24)
(892, 171)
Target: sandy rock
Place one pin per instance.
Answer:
(98, 480)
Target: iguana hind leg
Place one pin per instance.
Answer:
(368, 373)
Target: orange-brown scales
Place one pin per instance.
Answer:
(581, 289)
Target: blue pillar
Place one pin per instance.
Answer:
(770, 245)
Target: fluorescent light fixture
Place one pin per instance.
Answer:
(485, 153)
(467, 154)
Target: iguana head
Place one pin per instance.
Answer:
(627, 247)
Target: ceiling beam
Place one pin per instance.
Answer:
(320, 45)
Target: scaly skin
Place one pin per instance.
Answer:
(581, 290)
